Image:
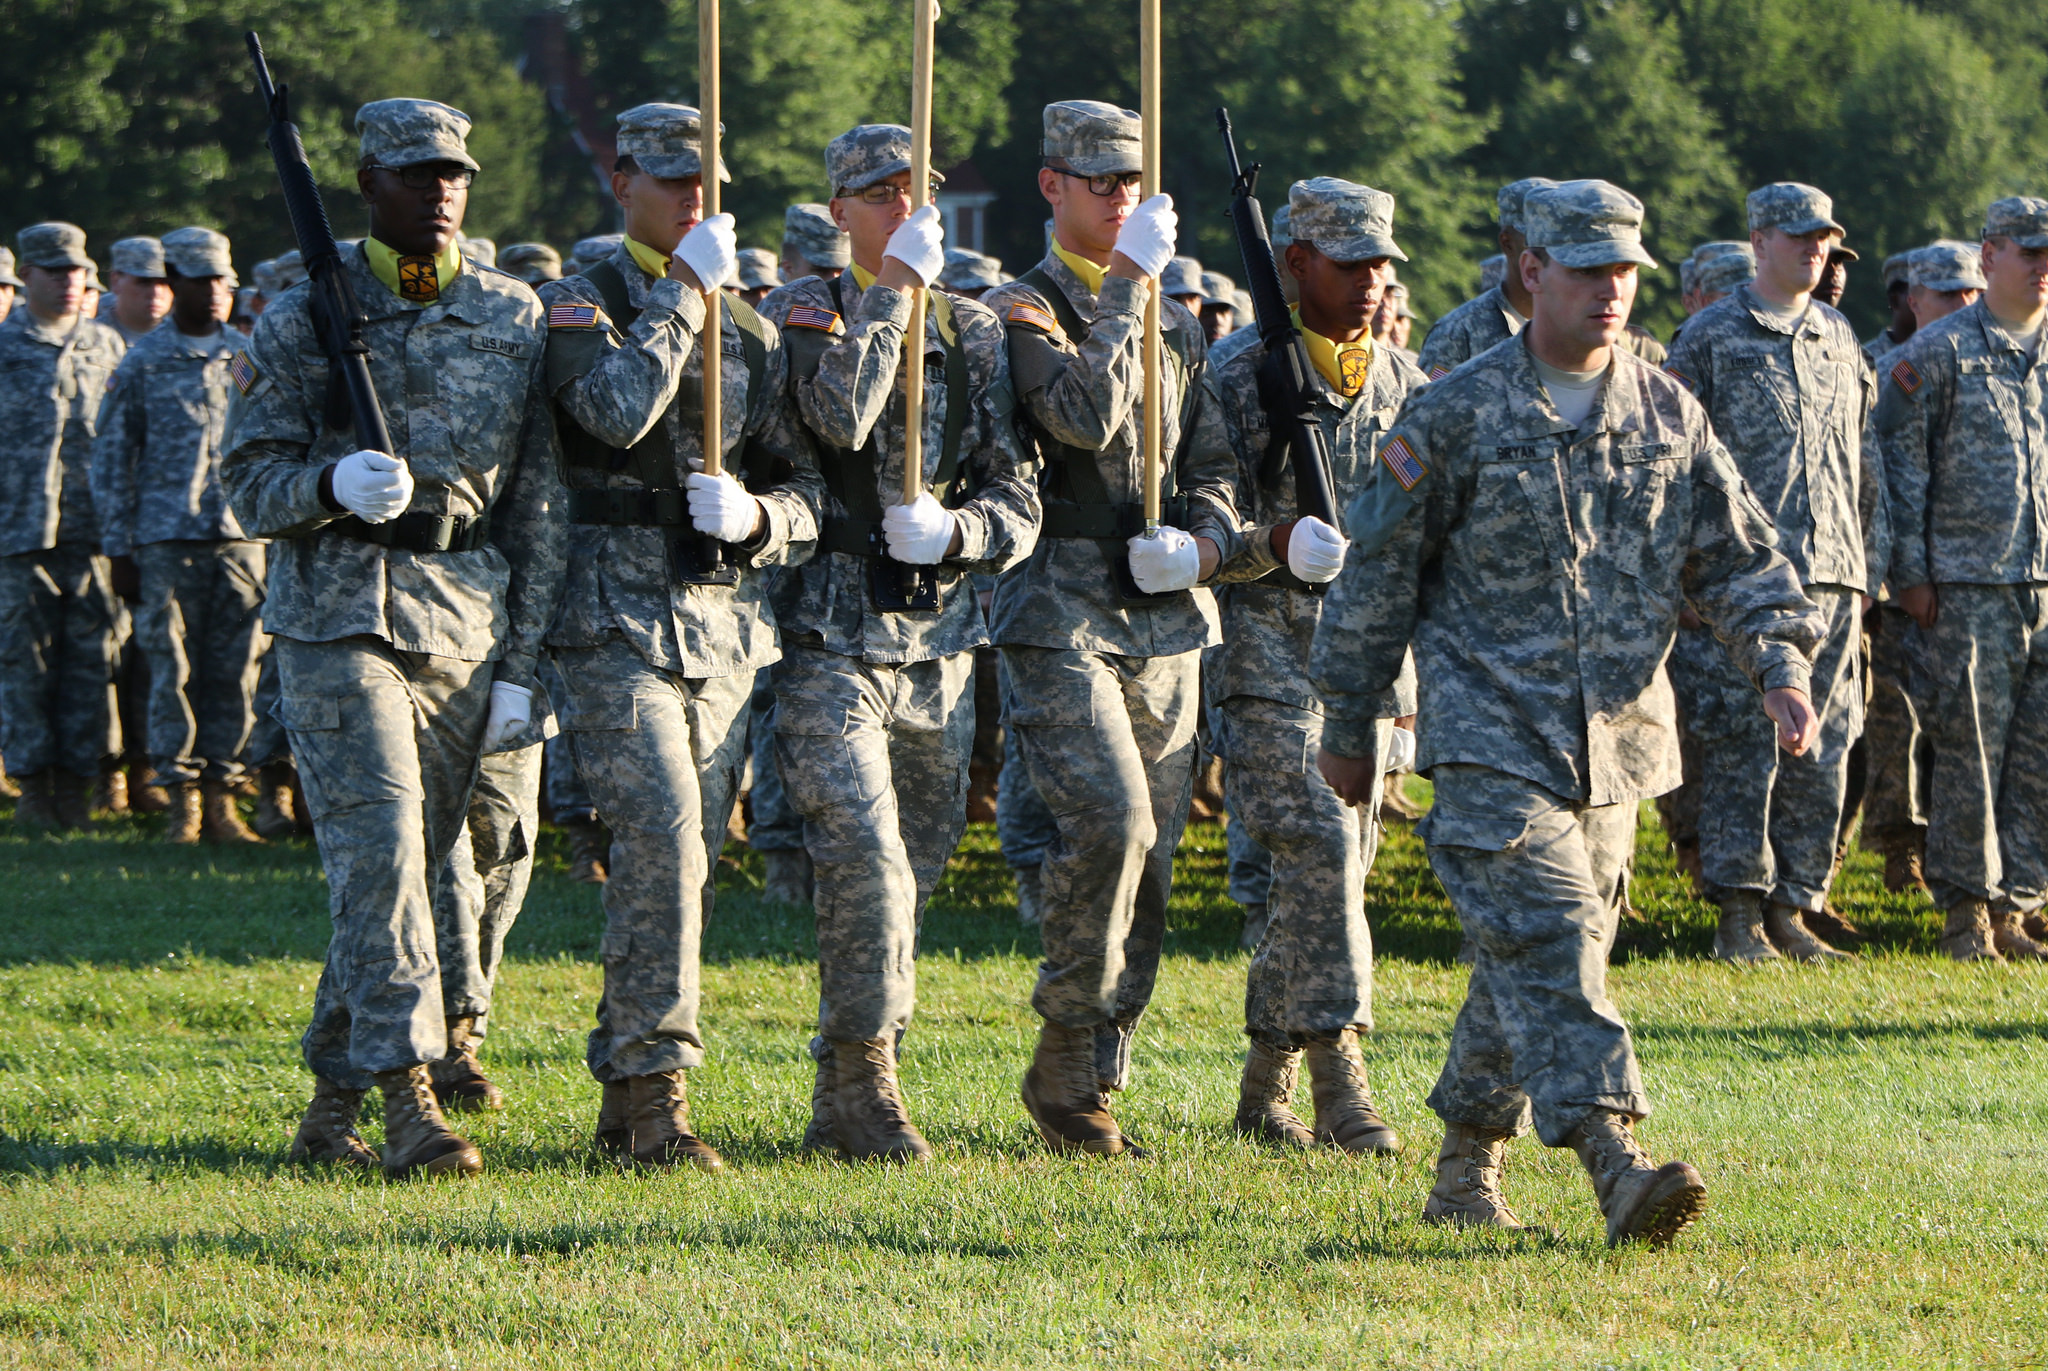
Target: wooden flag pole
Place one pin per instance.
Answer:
(710, 343)
(927, 14)
(1148, 185)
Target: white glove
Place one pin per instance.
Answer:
(919, 243)
(722, 507)
(1315, 551)
(919, 533)
(511, 712)
(1401, 755)
(1168, 561)
(712, 251)
(1148, 236)
(374, 486)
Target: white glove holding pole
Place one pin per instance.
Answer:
(919, 533)
(721, 507)
(1149, 235)
(919, 243)
(1166, 561)
(1401, 754)
(374, 486)
(511, 712)
(712, 251)
(1315, 551)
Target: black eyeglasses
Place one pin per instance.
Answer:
(1107, 184)
(881, 193)
(421, 175)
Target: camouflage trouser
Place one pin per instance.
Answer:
(1769, 820)
(1251, 866)
(775, 826)
(201, 622)
(568, 798)
(660, 753)
(1537, 884)
(266, 738)
(1987, 827)
(1312, 973)
(1024, 826)
(483, 882)
(1110, 744)
(1897, 743)
(1680, 809)
(875, 759)
(58, 649)
(386, 743)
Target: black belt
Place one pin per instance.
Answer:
(417, 532)
(1064, 519)
(657, 508)
(859, 537)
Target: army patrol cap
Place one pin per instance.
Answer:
(2022, 218)
(140, 257)
(1586, 224)
(808, 228)
(53, 244)
(965, 270)
(1347, 222)
(1725, 271)
(92, 277)
(1093, 138)
(1282, 232)
(588, 252)
(290, 269)
(1898, 268)
(199, 252)
(1510, 199)
(1946, 264)
(531, 262)
(866, 154)
(758, 269)
(1218, 289)
(1791, 206)
(666, 140)
(1493, 271)
(403, 133)
(481, 251)
(1183, 276)
(1397, 295)
(7, 276)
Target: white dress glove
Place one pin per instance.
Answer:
(919, 533)
(1315, 551)
(712, 251)
(1168, 561)
(919, 243)
(722, 507)
(1401, 754)
(511, 712)
(374, 486)
(1148, 236)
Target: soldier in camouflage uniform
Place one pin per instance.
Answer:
(588, 252)
(9, 283)
(1103, 672)
(1898, 298)
(1498, 312)
(141, 294)
(813, 244)
(58, 614)
(1962, 417)
(407, 597)
(1309, 993)
(1784, 382)
(875, 708)
(1532, 525)
(657, 658)
(532, 263)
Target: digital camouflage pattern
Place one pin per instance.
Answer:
(200, 621)
(52, 379)
(2022, 218)
(1896, 732)
(54, 243)
(485, 875)
(1481, 323)
(809, 229)
(198, 252)
(1345, 221)
(140, 256)
(401, 132)
(1093, 138)
(665, 140)
(1722, 273)
(1791, 206)
(867, 153)
(157, 458)
(532, 263)
(1510, 199)
(1586, 223)
(1947, 265)
(58, 652)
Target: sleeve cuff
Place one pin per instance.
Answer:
(517, 667)
(680, 300)
(880, 305)
(1349, 737)
(1787, 675)
(1120, 295)
(974, 537)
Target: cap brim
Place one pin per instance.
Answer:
(10, 279)
(677, 167)
(1844, 250)
(1106, 163)
(2027, 240)
(881, 173)
(1612, 252)
(1952, 283)
(59, 263)
(838, 257)
(413, 156)
(1811, 226)
(1364, 248)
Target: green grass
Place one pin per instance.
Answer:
(1873, 1136)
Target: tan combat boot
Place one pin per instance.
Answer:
(1642, 1202)
(658, 1119)
(146, 794)
(1030, 895)
(1345, 1114)
(1790, 935)
(1905, 864)
(2009, 935)
(1966, 936)
(786, 876)
(112, 795)
(220, 821)
(868, 1115)
(328, 1132)
(274, 814)
(1063, 1096)
(459, 1081)
(35, 811)
(183, 823)
(1739, 938)
(590, 848)
(819, 1135)
(73, 796)
(614, 1133)
(417, 1140)
(1265, 1097)
(1467, 1193)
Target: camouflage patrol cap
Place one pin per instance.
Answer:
(54, 244)
(809, 229)
(290, 269)
(966, 270)
(1397, 296)
(1093, 138)
(140, 257)
(1241, 301)
(866, 154)
(1792, 206)
(588, 252)
(92, 277)
(263, 278)
(1282, 232)
(1586, 224)
(1510, 199)
(1493, 271)
(531, 262)
(481, 251)
(7, 276)
(1217, 289)
(758, 269)
(1183, 276)
(199, 252)
(402, 133)
(666, 140)
(1347, 222)
(1688, 276)
(1897, 268)
(1725, 271)
(2022, 218)
(1946, 264)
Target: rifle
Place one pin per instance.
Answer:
(336, 314)
(1284, 388)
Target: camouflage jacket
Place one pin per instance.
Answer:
(1962, 419)
(460, 384)
(1086, 396)
(843, 381)
(1789, 402)
(619, 385)
(1539, 571)
(156, 464)
(1465, 332)
(51, 384)
(1268, 628)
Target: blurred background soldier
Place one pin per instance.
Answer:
(758, 274)
(812, 245)
(140, 296)
(532, 263)
(1181, 282)
(1497, 313)
(588, 252)
(1834, 277)
(969, 275)
(1897, 292)
(9, 283)
(1219, 305)
(481, 251)
(1492, 271)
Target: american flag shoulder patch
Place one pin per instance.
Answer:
(1402, 461)
(810, 316)
(1675, 374)
(1032, 317)
(572, 316)
(1437, 373)
(242, 372)
(1905, 377)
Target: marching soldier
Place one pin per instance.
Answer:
(1496, 313)
(875, 707)
(812, 243)
(1898, 286)
(407, 597)
(141, 294)
(757, 275)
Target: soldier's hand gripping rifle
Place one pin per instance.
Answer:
(1285, 389)
(336, 315)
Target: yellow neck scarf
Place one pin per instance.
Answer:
(1343, 365)
(1090, 274)
(861, 277)
(651, 262)
(419, 280)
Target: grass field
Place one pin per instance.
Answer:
(1875, 1137)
